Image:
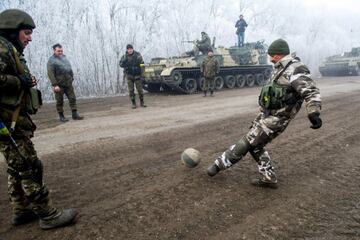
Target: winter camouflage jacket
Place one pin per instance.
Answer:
(59, 71)
(131, 63)
(210, 67)
(296, 79)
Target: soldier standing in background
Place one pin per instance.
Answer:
(29, 197)
(241, 26)
(133, 64)
(280, 100)
(61, 76)
(209, 68)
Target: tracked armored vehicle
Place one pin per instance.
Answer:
(239, 67)
(344, 64)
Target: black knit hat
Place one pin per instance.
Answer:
(129, 46)
(279, 46)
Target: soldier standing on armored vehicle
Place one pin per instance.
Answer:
(241, 26)
(28, 195)
(209, 68)
(203, 45)
(280, 100)
(61, 77)
(133, 64)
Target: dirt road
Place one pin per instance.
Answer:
(120, 168)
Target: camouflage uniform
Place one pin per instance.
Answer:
(60, 74)
(203, 45)
(209, 68)
(294, 76)
(25, 184)
(132, 68)
(25, 180)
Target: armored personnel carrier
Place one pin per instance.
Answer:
(239, 67)
(344, 64)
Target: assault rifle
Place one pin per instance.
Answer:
(188, 41)
(37, 168)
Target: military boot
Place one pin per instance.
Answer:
(267, 176)
(24, 217)
(213, 170)
(142, 103)
(76, 116)
(133, 104)
(204, 94)
(62, 117)
(64, 218)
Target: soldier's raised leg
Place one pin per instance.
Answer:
(59, 97)
(140, 91)
(130, 82)
(70, 94)
(253, 142)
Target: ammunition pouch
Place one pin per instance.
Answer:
(33, 101)
(272, 96)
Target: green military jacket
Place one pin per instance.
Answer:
(59, 71)
(205, 42)
(132, 63)
(10, 89)
(210, 67)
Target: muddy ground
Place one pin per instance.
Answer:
(120, 168)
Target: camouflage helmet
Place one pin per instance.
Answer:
(16, 19)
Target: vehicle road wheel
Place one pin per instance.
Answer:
(219, 83)
(250, 80)
(267, 73)
(260, 79)
(230, 81)
(189, 85)
(240, 81)
(201, 83)
(176, 77)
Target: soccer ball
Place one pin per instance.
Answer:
(190, 157)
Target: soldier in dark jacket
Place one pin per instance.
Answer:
(209, 68)
(61, 77)
(133, 65)
(29, 197)
(241, 26)
(280, 100)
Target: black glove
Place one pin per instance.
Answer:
(315, 120)
(26, 81)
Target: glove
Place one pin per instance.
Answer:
(26, 81)
(315, 120)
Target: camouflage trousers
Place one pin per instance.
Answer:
(68, 90)
(131, 81)
(262, 131)
(209, 84)
(25, 187)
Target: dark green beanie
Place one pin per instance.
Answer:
(279, 46)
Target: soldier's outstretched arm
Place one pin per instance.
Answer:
(306, 88)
